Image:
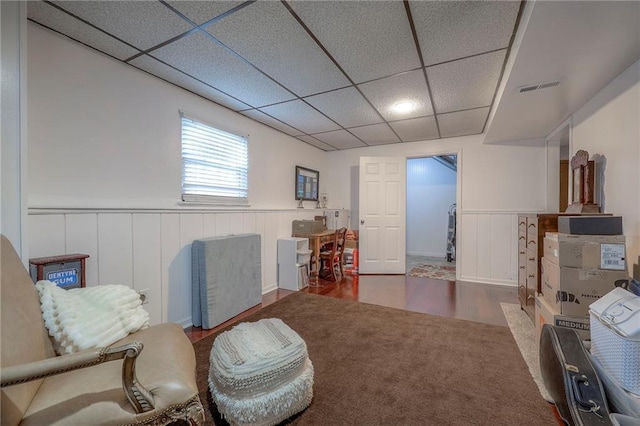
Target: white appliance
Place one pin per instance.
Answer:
(615, 336)
(337, 219)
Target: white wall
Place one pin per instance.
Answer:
(495, 183)
(13, 158)
(608, 127)
(104, 174)
(103, 134)
(431, 190)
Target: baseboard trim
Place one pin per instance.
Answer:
(269, 288)
(506, 283)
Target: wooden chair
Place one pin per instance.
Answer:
(331, 255)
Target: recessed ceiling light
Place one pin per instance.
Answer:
(404, 106)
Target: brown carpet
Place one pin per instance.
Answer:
(384, 366)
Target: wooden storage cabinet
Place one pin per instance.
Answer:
(531, 231)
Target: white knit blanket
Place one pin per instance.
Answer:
(83, 318)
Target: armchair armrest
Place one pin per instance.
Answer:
(139, 397)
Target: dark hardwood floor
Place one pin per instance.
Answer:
(455, 299)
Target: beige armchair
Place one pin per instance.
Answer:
(98, 386)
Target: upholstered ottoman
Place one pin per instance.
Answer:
(260, 373)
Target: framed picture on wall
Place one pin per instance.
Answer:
(307, 184)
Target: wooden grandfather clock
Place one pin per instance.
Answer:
(583, 184)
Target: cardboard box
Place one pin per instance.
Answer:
(570, 291)
(307, 226)
(347, 256)
(586, 251)
(545, 314)
(350, 259)
(350, 244)
(590, 225)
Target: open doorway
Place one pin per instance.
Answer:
(558, 190)
(431, 217)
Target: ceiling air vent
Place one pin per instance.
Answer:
(539, 86)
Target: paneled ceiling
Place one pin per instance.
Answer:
(330, 73)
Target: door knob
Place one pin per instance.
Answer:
(362, 222)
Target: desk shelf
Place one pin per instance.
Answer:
(293, 256)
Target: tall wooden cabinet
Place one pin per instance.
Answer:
(531, 231)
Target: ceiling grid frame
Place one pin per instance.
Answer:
(228, 14)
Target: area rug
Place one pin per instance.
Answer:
(376, 365)
(438, 272)
(524, 333)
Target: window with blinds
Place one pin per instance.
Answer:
(214, 164)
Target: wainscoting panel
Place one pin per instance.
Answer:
(170, 237)
(270, 258)
(209, 224)
(151, 250)
(487, 251)
(147, 261)
(81, 236)
(485, 233)
(180, 290)
(501, 228)
(467, 246)
(115, 247)
(47, 236)
(223, 224)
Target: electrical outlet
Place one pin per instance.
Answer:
(144, 296)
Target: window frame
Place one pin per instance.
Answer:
(187, 193)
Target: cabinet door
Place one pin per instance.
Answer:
(522, 231)
(532, 280)
(532, 233)
(522, 275)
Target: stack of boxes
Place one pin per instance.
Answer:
(582, 262)
(350, 255)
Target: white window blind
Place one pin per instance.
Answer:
(214, 164)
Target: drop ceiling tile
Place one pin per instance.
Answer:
(376, 134)
(341, 139)
(416, 129)
(463, 122)
(203, 11)
(346, 107)
(386, 92)
(270, 121)
(174, 76)
(368, 42)
(449, 30)
(143, 24)
(64, 23)
(206, 60)
(268, 36)
(467, 83)
(301, 116)
(315, 142)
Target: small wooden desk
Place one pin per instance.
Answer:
(316, 241)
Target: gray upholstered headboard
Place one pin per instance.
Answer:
(226, 278)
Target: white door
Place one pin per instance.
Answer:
(383, 192)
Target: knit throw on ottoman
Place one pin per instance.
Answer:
(260, 373)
